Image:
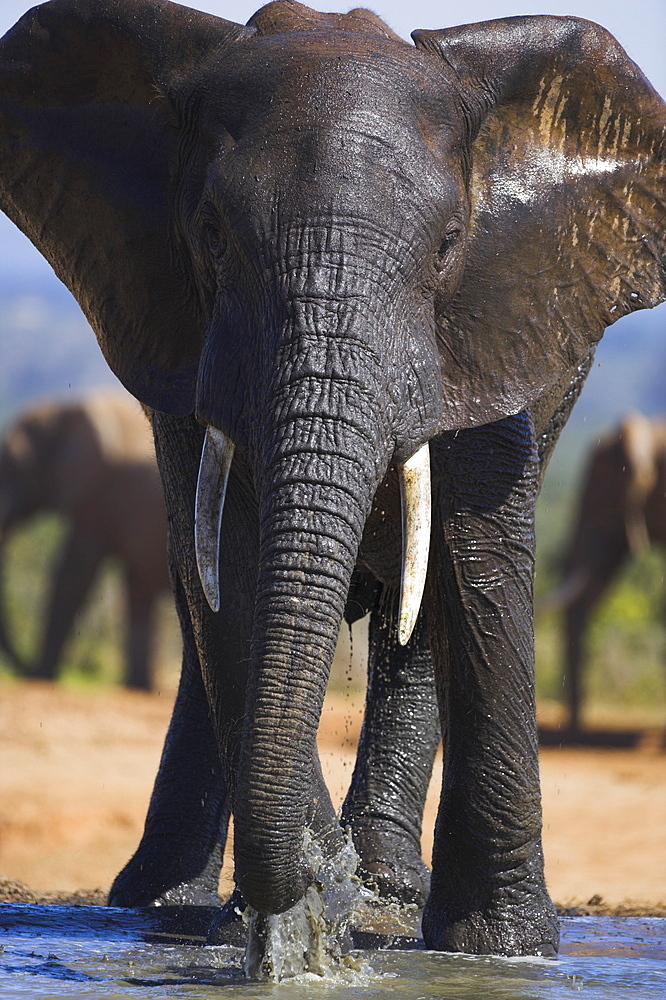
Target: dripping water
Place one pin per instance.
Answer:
(314, 936)
(348, 688)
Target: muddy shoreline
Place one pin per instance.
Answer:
(77, 768)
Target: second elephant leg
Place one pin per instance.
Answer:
(179, 857)
(140, 636)
(488, 893)
(401, 731)
(79, 561)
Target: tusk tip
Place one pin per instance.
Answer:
(211, 590)
(216, 458)
(416, 503)
(213, 602)
(405, 630)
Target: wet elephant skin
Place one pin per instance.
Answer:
(325, 248)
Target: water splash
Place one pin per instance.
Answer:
(313, 938)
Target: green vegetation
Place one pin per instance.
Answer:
(626, 646)
(94, 653)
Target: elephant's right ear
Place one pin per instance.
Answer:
(90, 139)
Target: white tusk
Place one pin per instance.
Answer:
(216, 456)
(414, 477)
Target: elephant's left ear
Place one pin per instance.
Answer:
(568, 205)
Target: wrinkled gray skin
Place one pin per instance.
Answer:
(621, 511)
(334, 246)
(93, 463)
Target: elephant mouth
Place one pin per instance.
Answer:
(415, 496)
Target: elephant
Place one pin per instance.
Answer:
(92, 462)
(358, 283)
(621, 511)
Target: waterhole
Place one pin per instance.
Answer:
(84, 952)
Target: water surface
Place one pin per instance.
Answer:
(59, 952)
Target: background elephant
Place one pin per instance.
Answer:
(93, 462)
(331, 262)
(621, 510)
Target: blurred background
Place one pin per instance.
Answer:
(47, 351)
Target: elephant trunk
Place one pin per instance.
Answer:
(314, 501)
(326, 424)
(315, 495)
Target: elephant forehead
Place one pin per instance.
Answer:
(386, 90)
(343, 132)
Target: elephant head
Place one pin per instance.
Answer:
(331, 246)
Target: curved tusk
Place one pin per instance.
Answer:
(216, 456)
(414, 477)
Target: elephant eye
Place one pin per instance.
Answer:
(215, 238)
(448, 244)
(217, 242)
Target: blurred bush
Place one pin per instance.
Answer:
(93, 654)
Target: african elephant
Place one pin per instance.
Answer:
(92, 462)
(331, 261)
(621, 511)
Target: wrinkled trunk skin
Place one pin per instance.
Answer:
(315, 492)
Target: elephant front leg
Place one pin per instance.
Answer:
(180, 854)
(179, 858)
(488, 893)
(384, 805)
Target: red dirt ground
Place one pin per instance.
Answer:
(76, 769)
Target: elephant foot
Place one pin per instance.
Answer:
(524, 924)
(145, 884)
(186, 894)
(390, 863)
(227, 926)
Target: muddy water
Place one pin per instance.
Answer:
(95, 952)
